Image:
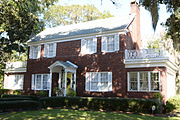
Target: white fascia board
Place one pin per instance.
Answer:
(78, 37)
(15, 70)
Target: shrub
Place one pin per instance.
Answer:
(42, 93)
(18, 105)
(17, 92)
(97, 103)
(71, 92)
(173, 104)
(4, 91)
(20, 96)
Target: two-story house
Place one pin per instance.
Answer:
(96, 58)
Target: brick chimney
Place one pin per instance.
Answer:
(135, 25)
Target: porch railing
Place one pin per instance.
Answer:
(145, 54)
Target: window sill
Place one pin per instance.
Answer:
(143, 91)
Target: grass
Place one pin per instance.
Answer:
(67, 114)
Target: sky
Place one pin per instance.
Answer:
(122, 8)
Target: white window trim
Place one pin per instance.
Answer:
(99, 78)
(33, 82)
(138, 80)
(46, 50)
(83, 51)
(116, 43)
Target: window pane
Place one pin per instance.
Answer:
(104, 81)
(45, 82)
(110, 43)
(94, 81)
(35, 51)
(38, 81)
(51, 49)
(154, 81)
(143, 80)
(133, 81)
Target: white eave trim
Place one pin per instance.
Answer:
(157, 62)
(17, 70)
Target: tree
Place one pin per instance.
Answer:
(18, 22)
(172, 23)
(64, 15)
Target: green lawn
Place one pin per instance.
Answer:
(67, 114)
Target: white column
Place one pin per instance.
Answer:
(59, 81)
(50, 83)
(74, 81)
(65, 84)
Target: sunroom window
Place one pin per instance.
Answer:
(143, 81)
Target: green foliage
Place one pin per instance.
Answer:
(173, 104)
(42, 93)
(157, 95)
(64, 15)
(172, 23)
(154, 44)
(71, 92)
(19, 97)
(4, 91)
(19, 104)
(107, 104)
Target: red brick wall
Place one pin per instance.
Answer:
(70, 51)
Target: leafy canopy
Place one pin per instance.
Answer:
(64, 15)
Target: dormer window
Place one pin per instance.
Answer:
(50, 50)
(35, 52)
(110, 43)
(88, 45)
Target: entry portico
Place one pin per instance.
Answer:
(64, 69)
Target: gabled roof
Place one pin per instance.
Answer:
(90, 27)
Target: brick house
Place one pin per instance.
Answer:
(95, 58)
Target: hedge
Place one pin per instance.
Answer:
(19, 105)
(19, 97)
(97, 103)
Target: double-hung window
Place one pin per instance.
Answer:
(40, 82)
(14, 82)
(88, 45)
(110, 43)
(99, 81)
(144, 81)
(35, 52)
(50, 50)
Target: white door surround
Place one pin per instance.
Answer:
(63, 68)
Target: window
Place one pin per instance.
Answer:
(110, 43)
(40, 82)
(89, 45)
(35, 52)
(99, 81)
(14, 82)
(50, 50)
(143, 81)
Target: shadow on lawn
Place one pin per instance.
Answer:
(67, 114)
